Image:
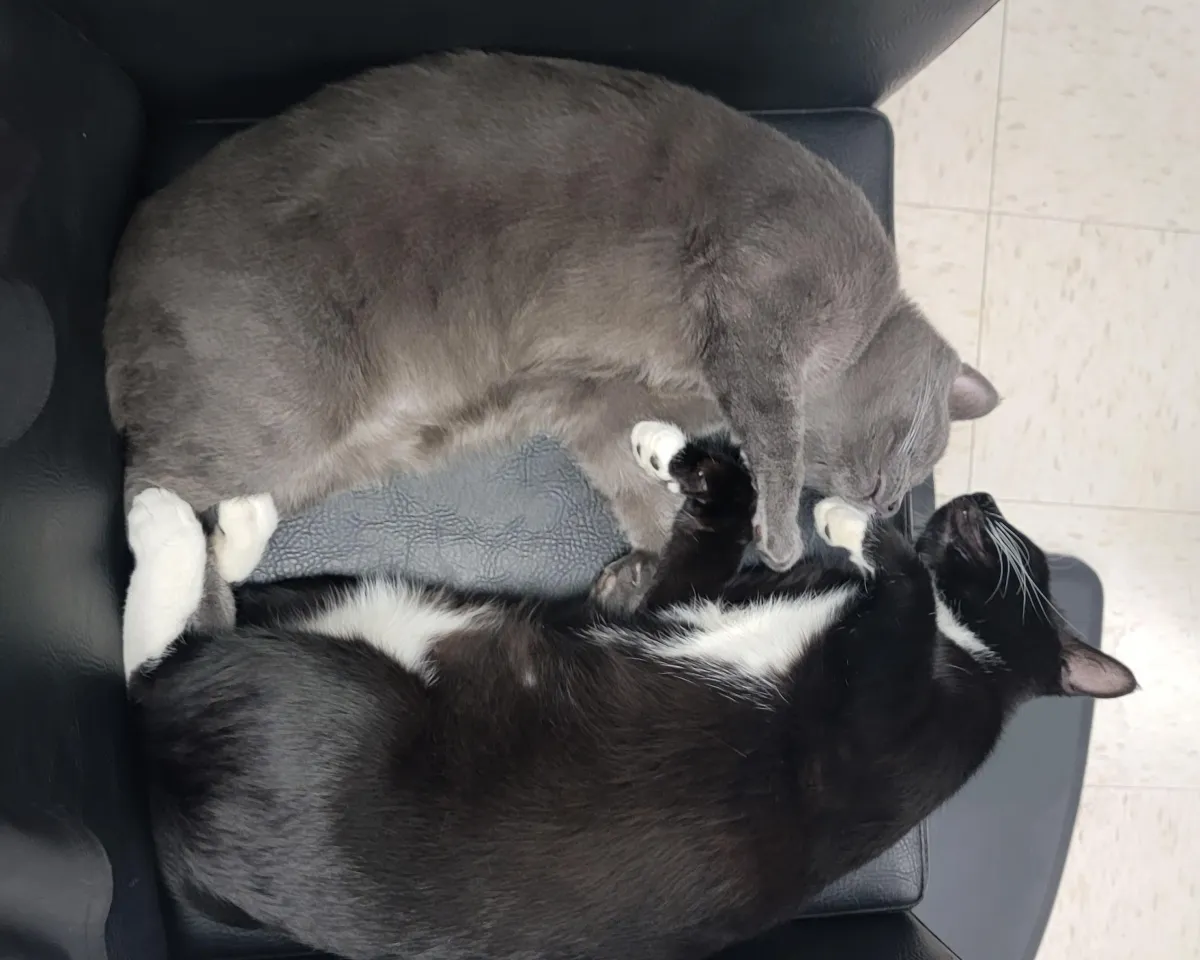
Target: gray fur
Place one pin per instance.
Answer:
(476, 248)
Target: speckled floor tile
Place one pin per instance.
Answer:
(1097, 111)
(1131, 887)
(1148, 563)
(941, 262)
(1089, 333)
(945, 119)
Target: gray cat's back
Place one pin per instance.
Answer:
(404, 247)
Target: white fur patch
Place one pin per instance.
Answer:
(654, 446)
(402, 621)
(841, 524)
(959, 634)
(167, 585)
(758, 643)
(244, 527)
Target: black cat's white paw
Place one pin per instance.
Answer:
(841, 524)
(655, 445)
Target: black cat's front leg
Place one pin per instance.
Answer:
(714, 525)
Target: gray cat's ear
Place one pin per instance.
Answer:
(971, 395)
(1086, 672)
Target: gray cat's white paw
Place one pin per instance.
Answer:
(170, 554)
(244, 527)
(161, 524)
(654, 446)
(841, 524)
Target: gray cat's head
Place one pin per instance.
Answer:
(888, 422)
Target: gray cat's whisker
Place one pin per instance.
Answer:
(924, 402)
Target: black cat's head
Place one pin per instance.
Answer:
(993, 586)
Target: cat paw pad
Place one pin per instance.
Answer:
(655, 445)
(623, 584)
(160, 521)
(169, 558)
(244, 526)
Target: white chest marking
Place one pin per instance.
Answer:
(400, 620)
(758, 643)
(959, 634)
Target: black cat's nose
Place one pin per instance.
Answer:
(986, 502)
(968, 517)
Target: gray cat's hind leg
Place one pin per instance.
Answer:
(241, 526)
(244, 526)
(174, 583)
(645, 510)
(624, 583)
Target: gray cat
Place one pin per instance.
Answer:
(477, 248)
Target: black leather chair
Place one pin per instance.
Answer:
(104, 100)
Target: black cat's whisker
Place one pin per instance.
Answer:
(999, 582)
(1009, 559)
(1019, 558)
(1005, 562)
(1002, 576)
(1013, 552)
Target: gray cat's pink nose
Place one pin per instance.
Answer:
(886, 508)
(882, 502)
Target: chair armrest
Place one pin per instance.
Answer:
(886, 936)
(78, 877)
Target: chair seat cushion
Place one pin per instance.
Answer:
(524, 520)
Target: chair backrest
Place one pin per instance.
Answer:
(232, 58)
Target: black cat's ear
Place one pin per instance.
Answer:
(972, 395)
(1086, 672)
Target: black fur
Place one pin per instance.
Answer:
(623, 806)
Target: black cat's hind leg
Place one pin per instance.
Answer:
(714, 526)
(271, 604)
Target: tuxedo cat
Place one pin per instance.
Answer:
(376, 768)
(473, 249)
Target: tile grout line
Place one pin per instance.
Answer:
(1117, 508)
(1163, 788)
(1046, 218)
(996, 119)
(987, 231)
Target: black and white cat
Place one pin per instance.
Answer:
(376, 768)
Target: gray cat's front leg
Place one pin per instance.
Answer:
(766, 412)
(776, 462)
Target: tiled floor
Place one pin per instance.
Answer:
(1049, 188)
